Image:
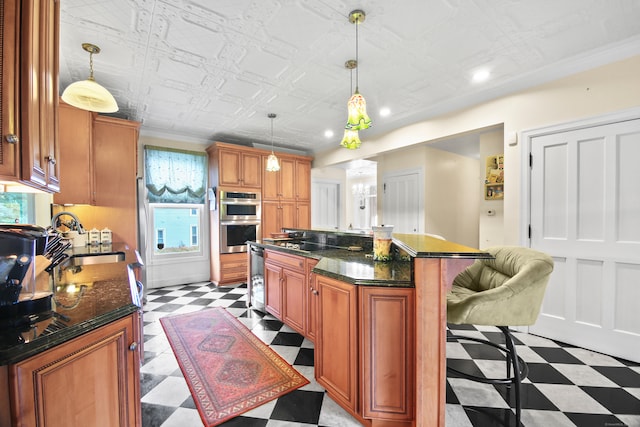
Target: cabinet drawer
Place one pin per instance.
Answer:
(292, 261)
(239, 274)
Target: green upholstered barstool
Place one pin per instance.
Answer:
(502, 292)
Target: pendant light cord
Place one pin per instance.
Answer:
(357, 63)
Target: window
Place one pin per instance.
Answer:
(17, 208)
(176, 183)
(160, 238)
(175, 230)
(194, 235)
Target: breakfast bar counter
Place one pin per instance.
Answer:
(386, 320)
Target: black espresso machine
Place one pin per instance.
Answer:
(19, 246)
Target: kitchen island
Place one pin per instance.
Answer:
(379, 328)
(78, 360)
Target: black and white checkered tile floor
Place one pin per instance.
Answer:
(566, 386)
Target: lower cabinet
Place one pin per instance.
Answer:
(336, 346)
(91, 380)
(233, 269)
(365, 349)
(286, 288)
(311, 300)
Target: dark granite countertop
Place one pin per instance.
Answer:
(354, 267)
(83, 298)
(358, 268)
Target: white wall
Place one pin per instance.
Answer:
(605, 89)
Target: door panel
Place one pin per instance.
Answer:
(585, 205)
(325, 205)
(401, 202)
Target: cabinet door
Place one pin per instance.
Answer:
(303, 180)
(98, 374)
(312, 301)
(273, 289)
(336, 354)
(294, 286)
(230, 167)
(270, 189)
(115, 153)
(388, 355)
(288, 215)
(9, 89)
(39, 94)
(251, 170)
(303, 215)
(74, 136)
(287, 179)
(270, 218)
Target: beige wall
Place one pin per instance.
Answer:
(605, 89)
(451, 196)
(491, 226)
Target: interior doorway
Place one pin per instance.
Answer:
(403, 201)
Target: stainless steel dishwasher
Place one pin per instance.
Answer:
(255, 285)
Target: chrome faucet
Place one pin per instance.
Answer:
(74, 224)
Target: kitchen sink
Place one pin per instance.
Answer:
(90, 259)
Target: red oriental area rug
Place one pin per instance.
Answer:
(228, 369)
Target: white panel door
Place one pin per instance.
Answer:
(402, 201)
(325, 205)
(585, 213)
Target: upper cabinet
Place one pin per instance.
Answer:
(102, 151)
(9, 42)
(235, 166)
(291, 182)
(29, 93)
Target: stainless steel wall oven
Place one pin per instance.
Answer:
(239, 206)
(239, 220)
(235, 234)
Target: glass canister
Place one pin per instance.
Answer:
(382, 242)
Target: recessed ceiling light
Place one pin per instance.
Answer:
(481, 76)
(328, 133)
(384, 112)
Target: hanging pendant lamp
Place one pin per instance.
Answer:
(358, 118)
(88, 94)
(350, 139)
(272, 160)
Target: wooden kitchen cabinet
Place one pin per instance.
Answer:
(336, 346)
(303, 215)
(387, 319)
(102, 152)
(273, 288)
(311, 300)
(29, 148)
(239, 168)
(365, 348)
(9, 88)
(291, 182)
(279, 185)
(303, 180)
(75, 137)
(286, 288)
(233, 268)
(93, 377)
(277, 215)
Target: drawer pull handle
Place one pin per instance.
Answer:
(133, 346)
